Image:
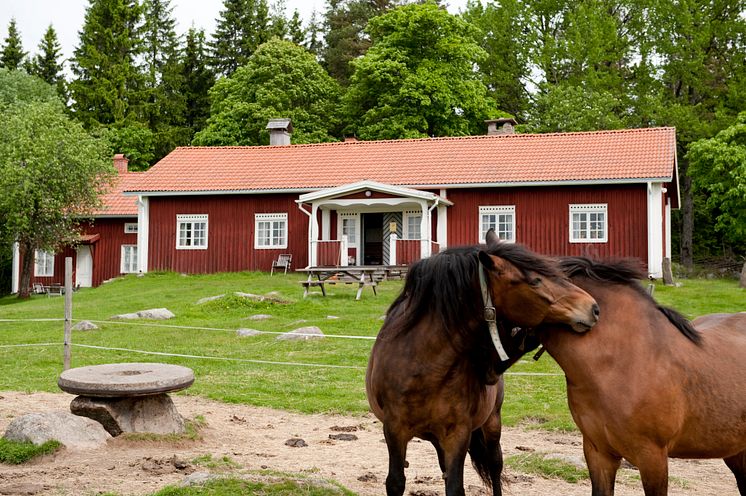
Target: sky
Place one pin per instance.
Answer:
(34, 16)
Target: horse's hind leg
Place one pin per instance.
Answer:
(397, 447)
(486, 453)
(737, 465)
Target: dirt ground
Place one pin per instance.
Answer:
(255, 439)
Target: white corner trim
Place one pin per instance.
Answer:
(143, 226)
(15, 276)
(655, 229)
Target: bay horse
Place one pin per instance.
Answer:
(434, 372)
(646, 384)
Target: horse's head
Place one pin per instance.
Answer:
(528, 290)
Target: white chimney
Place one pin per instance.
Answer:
(500, 126)
(280, 131)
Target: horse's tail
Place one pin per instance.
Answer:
(480, 456)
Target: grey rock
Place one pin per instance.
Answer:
(259, 316)
(71, 430)
(331, 317)
(85, 325)
(272, 297)
(247, 332)
(210, 298)
(302, 333)
(343, 437)
(198, 479)
(296, 442)
(153, 314)
(154, 414)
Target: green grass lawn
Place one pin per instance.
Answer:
(312, 376)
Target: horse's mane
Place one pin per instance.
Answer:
(625, 272)
(446, 285)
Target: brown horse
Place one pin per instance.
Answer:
(434, 372)
(646, 385)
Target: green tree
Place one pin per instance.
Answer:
(417, 78)
(718, 169)
(565, 108)
(12, 54)
(345, 22)
(280, 80)
(164, 106)
(47, 64)
(198, 79)
(701, 48)
(51, 175)
(107, 86)
(505, 70)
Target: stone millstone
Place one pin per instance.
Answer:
(154, 414)
(116, 380)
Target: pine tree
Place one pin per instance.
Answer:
(227, 48)
(164, 104)
(12, 54)
(198, 79)
(107, 85)
(296, 33)
(47, 64)
(314, 33)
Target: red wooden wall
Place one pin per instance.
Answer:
(106, 252)
(542, 217)
(230, 245)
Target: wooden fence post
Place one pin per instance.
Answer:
(68, 311)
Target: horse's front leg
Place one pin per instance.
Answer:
(653, 464)
(737, 465)
(602, 467)
(455, 446)
(396, 442)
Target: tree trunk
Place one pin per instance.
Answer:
(667, 272)
(743, 276)
(27, 259)
(687, 213)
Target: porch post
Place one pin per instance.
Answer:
(343, 251)
(326, 224)
(392, 249)
(314, 235)
(442, 223)
(425, 234)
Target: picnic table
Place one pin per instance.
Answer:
(368, 275)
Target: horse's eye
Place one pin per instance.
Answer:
(536, 281)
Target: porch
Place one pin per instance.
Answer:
(373, 224)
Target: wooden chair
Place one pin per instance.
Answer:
(283, 262)
(38, 288)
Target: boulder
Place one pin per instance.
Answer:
(154, 414)
(153, 314)
(269, 297)
(247, 332)
(302, 333)
(85, 325)
(71, 430)
(209, 298)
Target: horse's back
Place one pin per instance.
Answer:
(734, 323)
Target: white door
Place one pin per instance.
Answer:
(84, 267)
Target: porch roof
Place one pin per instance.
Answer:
(368, 185)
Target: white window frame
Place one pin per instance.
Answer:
(352, 241)
(272, 219)
(406, 215)
(122, 261)
(191, 219)
(47, 264)
(588, 210)
(497, 210)
(130, 227)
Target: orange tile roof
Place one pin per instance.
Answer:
(600, 156)
(116, 203)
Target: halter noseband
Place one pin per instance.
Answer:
(490, 314)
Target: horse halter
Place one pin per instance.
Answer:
(490, 314)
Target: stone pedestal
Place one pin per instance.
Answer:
(128, 397)
(154, 413)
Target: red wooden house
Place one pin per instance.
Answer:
(214, 209)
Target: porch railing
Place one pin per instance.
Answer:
(329, 253)
(408, 251)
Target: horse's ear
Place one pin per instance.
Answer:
(491, 238)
